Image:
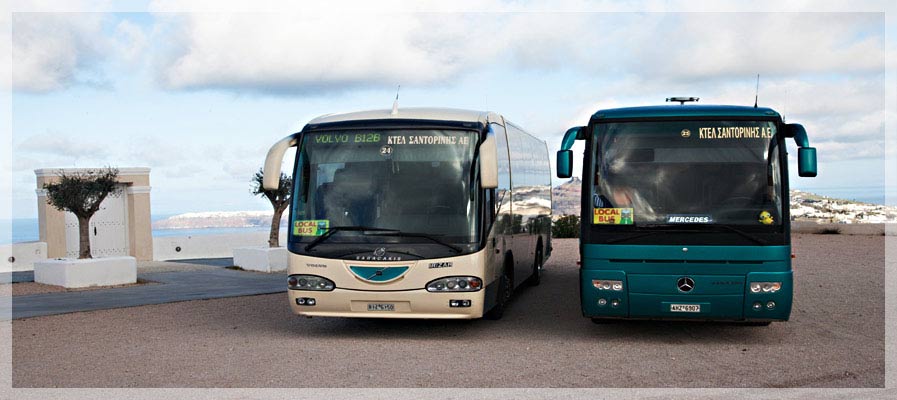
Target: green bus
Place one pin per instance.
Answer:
(685, 212)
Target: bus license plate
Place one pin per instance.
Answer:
(685, 308)
(381, 307)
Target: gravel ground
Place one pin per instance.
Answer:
(835, 339)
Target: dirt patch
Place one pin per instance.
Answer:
(26, 288)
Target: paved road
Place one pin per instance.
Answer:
(172, 287)
(835, 339)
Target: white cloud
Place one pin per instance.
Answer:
(307, 52)
(320, 52)
(53, 51)
(56, 144)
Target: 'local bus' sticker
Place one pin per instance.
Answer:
(613, 216)
(310, 227)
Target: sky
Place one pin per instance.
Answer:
(198, 91)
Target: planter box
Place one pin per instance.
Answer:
(263, 259)
(74, 273)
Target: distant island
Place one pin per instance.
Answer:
(804, 207)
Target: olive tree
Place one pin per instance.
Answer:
(280, 200)
(81, 193)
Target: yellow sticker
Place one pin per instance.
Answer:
(766, 218)
(613, 216)
(311, 227)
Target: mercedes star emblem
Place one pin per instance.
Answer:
(685, 284)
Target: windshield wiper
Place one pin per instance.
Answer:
(393, 232)
(335, 229)
(744, 234)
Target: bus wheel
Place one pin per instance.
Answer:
(504, 294)
(536, 278)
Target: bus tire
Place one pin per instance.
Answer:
(504, 294)
(536, 278)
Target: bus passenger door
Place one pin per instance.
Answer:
(502, 224)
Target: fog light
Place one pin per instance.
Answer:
(459, 303)
(305, 301)
(615, 303)
(770, 305)
(757, 306)
(602, 302)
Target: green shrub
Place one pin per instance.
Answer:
(566, 227)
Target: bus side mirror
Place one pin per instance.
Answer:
(565, 163)
(806, 161)
(271, 179)
(489, 162)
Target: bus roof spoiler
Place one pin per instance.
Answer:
(271, 179)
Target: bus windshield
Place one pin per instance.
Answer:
(650, 174)
(407, 185)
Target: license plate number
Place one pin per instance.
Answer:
(692, 308)
(381, 307)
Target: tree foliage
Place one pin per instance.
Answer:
(81, 193)
(566, 226)
(279, 199)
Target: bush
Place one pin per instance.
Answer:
(566, 226)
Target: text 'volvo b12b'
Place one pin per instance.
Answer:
(418, 213)
(685, 212)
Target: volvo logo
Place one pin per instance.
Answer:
(379, 252)
(685, 284)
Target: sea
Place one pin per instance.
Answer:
(20, 230)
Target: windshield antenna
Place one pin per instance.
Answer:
(395, 104)
(757, 91)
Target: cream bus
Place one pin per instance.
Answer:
(418, 213)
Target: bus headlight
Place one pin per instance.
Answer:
(455, 284)
(602, 284)
(310, 282)
(765, 287)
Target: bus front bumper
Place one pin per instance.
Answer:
(648, 296)
(419, 304)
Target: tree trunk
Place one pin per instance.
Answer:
(274, 236)
(84, 237)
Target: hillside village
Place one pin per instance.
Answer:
(566, 197)
(804, 206)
